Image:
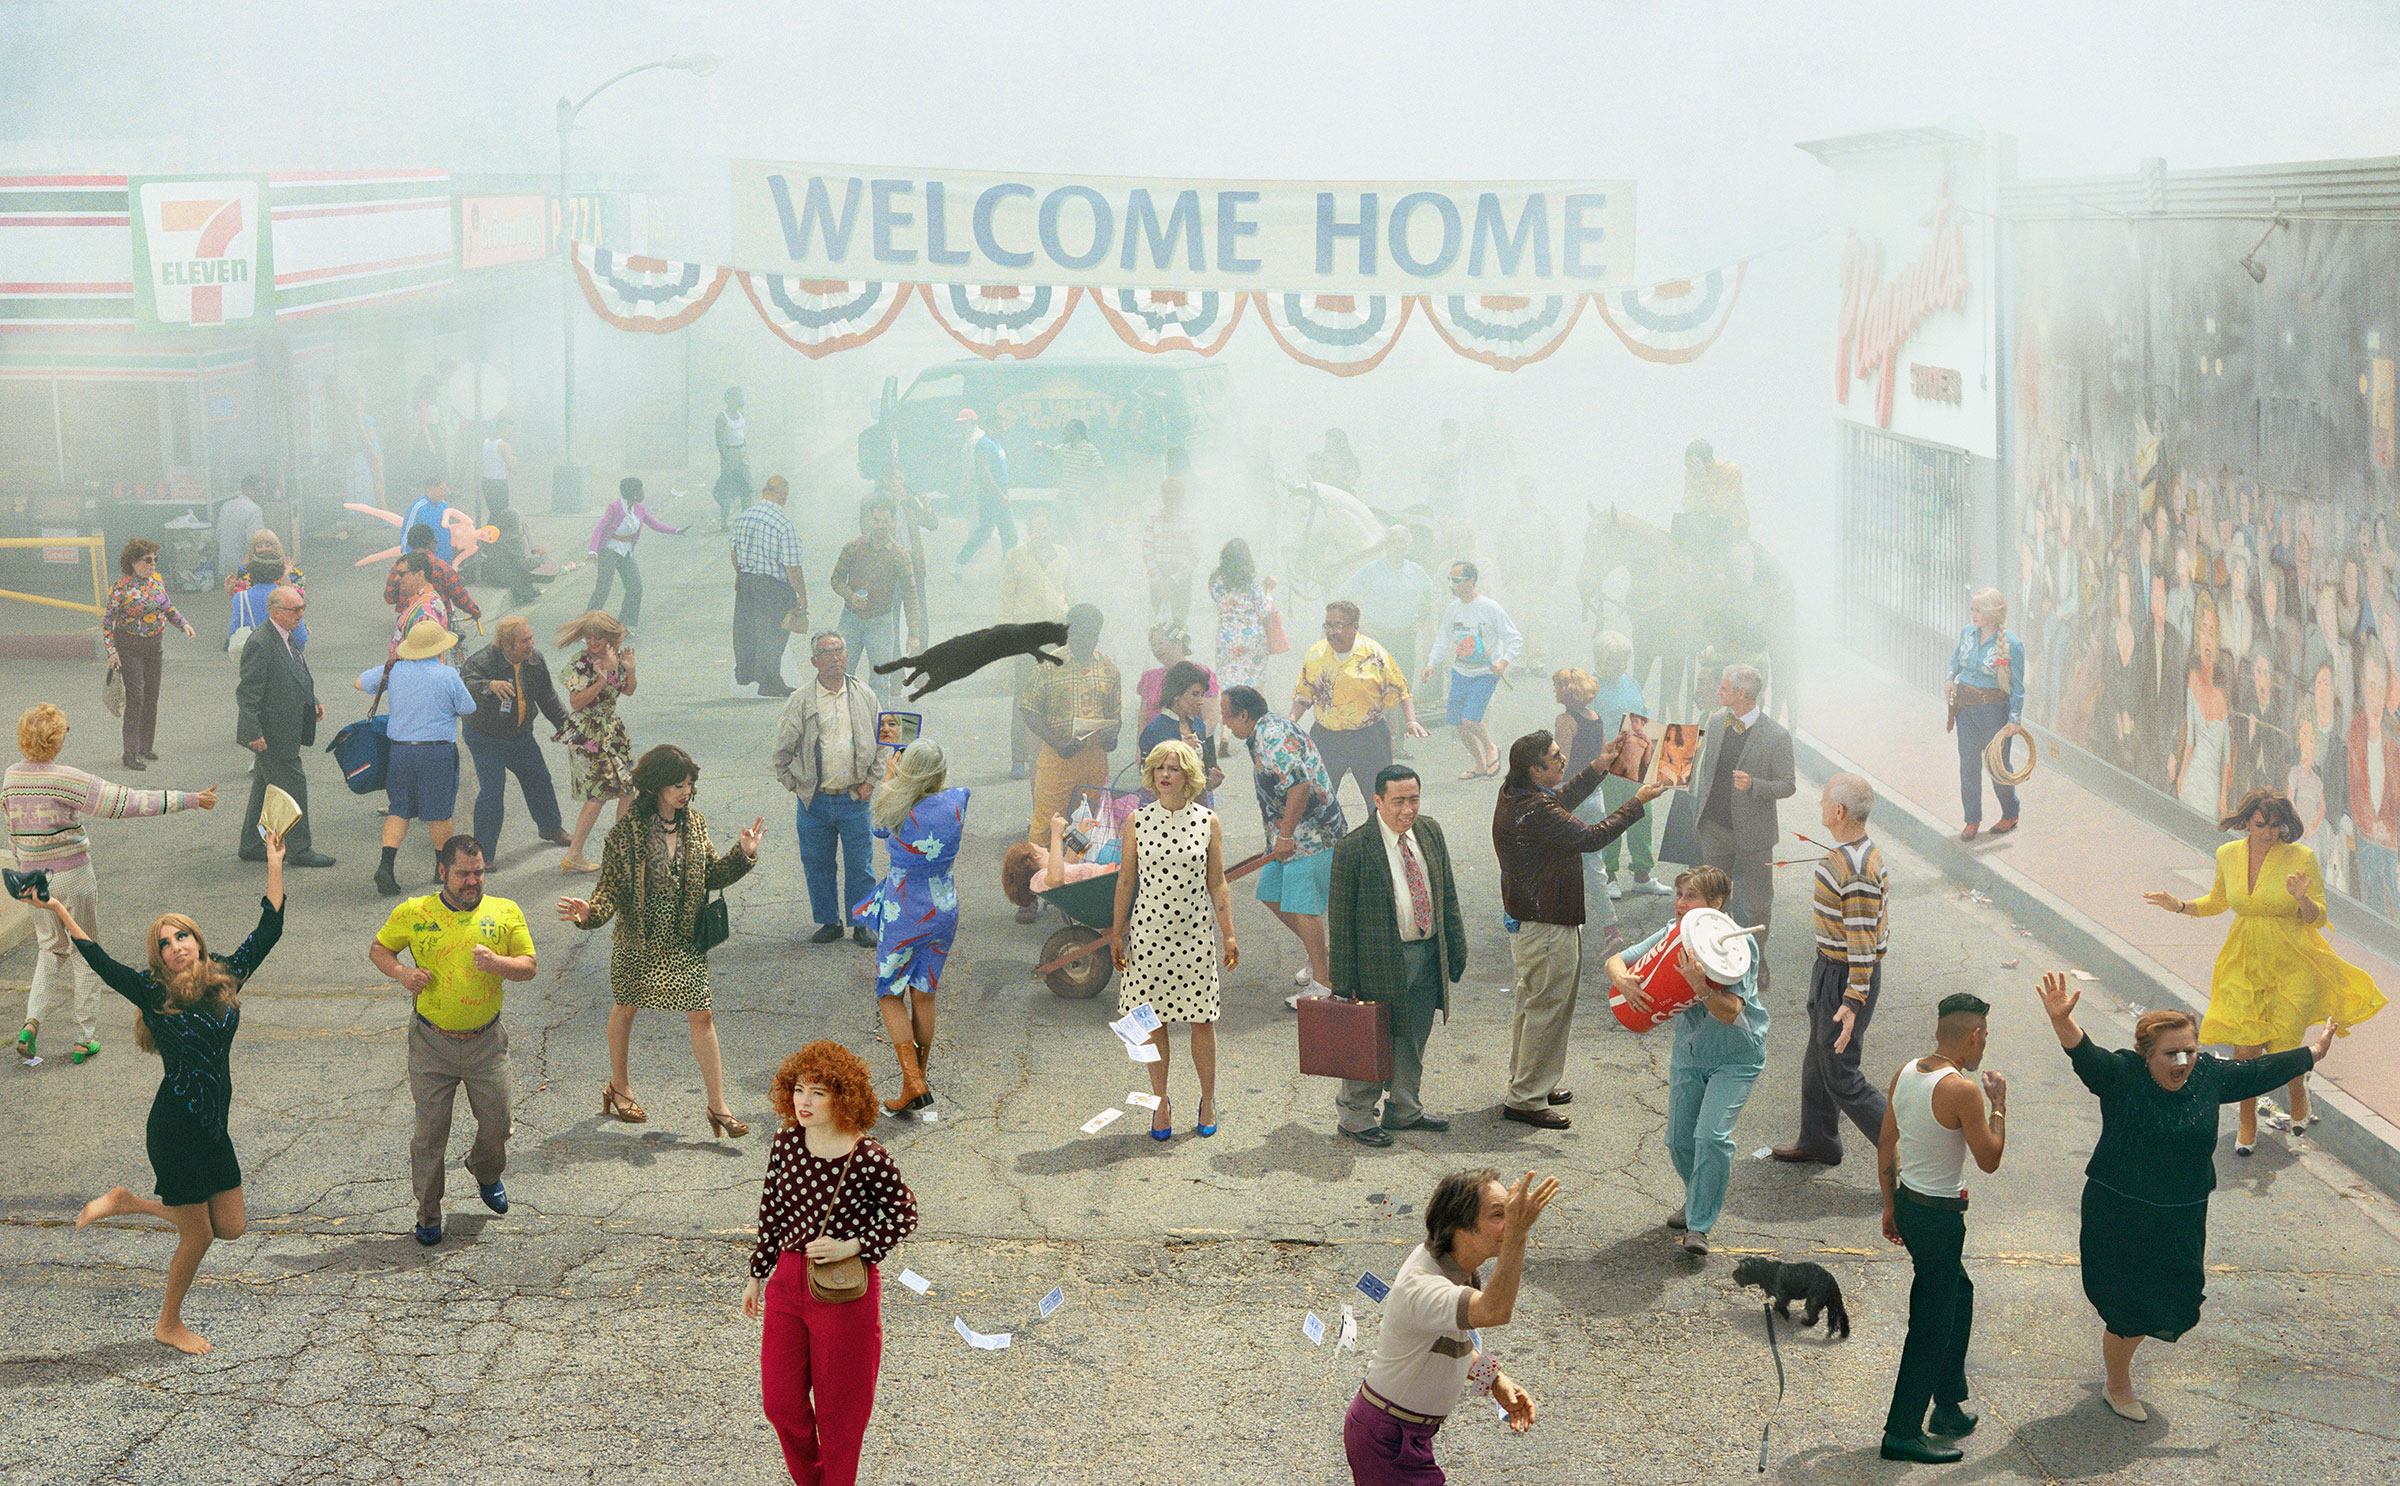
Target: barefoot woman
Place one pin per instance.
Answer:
(189, 1016)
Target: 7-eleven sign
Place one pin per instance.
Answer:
(200, 254)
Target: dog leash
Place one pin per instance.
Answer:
(1777, 1352)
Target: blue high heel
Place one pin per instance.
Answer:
(1167, 1108)
(1208, 1129)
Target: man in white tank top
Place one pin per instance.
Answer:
(1933, 1118)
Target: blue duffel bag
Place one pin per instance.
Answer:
(363, 749)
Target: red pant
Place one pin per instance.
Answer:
(830, 1351)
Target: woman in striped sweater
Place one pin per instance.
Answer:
(46, 803)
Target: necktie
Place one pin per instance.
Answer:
(1420, 899)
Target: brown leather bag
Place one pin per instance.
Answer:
(1342, 1038)
(836, 1280)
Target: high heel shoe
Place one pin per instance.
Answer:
(621, 1105)
(1210, 1104)
(725, 1124)
(1166, 1107)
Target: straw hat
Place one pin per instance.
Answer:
(425, 640)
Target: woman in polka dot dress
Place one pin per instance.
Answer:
(1176, 847)
(830, 1194)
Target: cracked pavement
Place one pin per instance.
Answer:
(593, 1334)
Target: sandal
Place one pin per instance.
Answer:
(621, 1105)
(24, 1043)
(83, 1051)
(573, 863)
(1472, 774)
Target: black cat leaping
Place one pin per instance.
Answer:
(962, 656)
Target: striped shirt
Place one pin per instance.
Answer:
(764, 542)
(1079, 467)
(1853, 925)
(46, 805)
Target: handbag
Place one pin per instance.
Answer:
(1679, 839)
(1277, 641)
(794, 623)
(112, 690)
(1345, 1038)
(713, 926)
(362, 750)
(836, 1280)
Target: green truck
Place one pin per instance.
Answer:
(1135, 410)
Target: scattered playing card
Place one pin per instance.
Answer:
(2009, 964)
(931, 1117)
(1373, 1288)
(2083, 975)
(1096, 1123)
(1141, 1052)
(915, 1281)
(33, 1062)
(1500, 1409)
(1312, 1328)
(1052, 1301)
(1482, 1371)
(1136, 1025)
(1349, 1337)
(977, 1339)
(2025, 933)
(1143, 1101)
(1762, 1153)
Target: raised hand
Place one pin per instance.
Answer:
(2168, 901)
(1995, 1089)
(274, 845)
(1526, 1201)
(2058, 998)
(1652, 790)
(2296, 883)
(749, 839)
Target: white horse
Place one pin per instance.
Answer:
(1326, 535)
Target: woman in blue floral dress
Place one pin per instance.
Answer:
(914, 910)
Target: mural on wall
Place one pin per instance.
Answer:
(2208, 569)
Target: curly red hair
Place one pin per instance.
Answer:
(840, 1072)
(1019, 866)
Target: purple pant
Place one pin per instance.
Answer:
(1385, 1451)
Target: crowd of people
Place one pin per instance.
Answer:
(1371, 901)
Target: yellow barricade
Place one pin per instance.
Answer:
(95, 546)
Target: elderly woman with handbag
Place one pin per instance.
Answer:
(833, 1206)
(656, 874)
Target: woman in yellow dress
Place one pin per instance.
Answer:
(2276, 973)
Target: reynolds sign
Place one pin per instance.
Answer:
(847, 222)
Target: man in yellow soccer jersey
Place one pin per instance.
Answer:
(463, 945)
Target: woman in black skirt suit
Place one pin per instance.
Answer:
(2145, 1191)
(189, 1014)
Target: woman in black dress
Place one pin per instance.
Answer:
(189, 1014)
(2145, 1191)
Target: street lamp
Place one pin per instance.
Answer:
(566, 478)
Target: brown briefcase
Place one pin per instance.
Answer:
(1340, 1038)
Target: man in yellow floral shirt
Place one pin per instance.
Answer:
(1355, 685)
(463, 945)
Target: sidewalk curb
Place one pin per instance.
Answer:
(2350, 1132)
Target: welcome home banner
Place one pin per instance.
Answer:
(852, 223)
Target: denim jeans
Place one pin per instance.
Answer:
(873, 641)
(1978, 724)
(831, 820)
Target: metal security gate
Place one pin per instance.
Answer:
(1904, 538)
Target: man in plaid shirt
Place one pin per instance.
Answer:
(445, 577)
(767, 582)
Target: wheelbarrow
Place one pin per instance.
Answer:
(1079, 959)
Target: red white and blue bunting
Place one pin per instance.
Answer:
(994, 320)
(1157, 320)
(652, 294)
(1345, 334)
(1504, 331)
(818, 317)
(1674, 321)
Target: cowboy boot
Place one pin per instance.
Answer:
(913, 1093)
(920, 1019)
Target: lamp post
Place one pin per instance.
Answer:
(566, 478)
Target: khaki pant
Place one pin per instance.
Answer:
(57, 964)
(438, 1064)
(1549, 965)
(1054, 780)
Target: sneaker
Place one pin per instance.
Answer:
(1616, 894)
(1651, 887)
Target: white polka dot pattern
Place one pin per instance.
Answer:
(877, 1208)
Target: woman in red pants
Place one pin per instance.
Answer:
(831, 1194)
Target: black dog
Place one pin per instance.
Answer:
(1813, 1284)
(962, 656)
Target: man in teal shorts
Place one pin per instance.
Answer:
(1303, 821)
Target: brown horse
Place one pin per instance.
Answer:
(1691, 604)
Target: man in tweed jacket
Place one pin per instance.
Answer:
(1395, 935)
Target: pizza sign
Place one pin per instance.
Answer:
(201, 254)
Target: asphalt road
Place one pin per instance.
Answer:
(593, 1334)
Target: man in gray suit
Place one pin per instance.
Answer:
(1745, 766)
(278, 714)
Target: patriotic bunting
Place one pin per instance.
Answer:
(1345, 334)
(1504, 330)
(650, 294)
(818, 317)
(1674, 321)
(994, 320)
(1155, 320)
